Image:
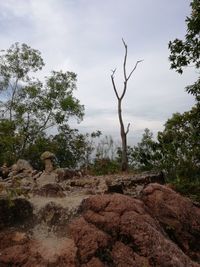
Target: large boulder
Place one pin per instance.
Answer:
(119, 230)
(179, 217)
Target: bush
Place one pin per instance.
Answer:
(188, 189)
(104, 166)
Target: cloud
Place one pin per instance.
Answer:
(84, 36)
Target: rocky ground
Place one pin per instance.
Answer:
(63, 219)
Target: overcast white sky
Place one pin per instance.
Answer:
(84, 36)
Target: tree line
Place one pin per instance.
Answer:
(34, 117)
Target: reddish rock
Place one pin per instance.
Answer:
(123, 255)
(161, 229)
(88, 239)
(120, 231)
(94, 262)
(14, 256)
(12, 238)
(19, 250)
(179, 217)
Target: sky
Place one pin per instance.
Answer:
(85, 36)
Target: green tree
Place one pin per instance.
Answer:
(33, 106)
(180, 145)
(146, 155)
(179, 140)
(69, 146)
(9, 142)
(186, 52)
(16, 63)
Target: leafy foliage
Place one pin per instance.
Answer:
(104, 166)
(145, 155)
(186, 52)
(180, 139)
(180, 144)
(30, 107)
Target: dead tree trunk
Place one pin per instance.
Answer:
(123, 132)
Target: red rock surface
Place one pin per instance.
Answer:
(129, 234)
(178, 216)
(17, 249)
(162, 229)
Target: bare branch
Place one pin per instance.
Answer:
(134, 69)
(125, 57)
(113, 83)
(127, 130)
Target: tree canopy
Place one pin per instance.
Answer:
(186, 52)
(29, 107)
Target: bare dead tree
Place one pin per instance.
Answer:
(123, 132)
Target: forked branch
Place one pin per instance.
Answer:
(127, 130)
(113, 83)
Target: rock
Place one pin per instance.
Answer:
(121, 231)
(50, 190)
(12, 238)
(27, 182)
(48, 157)
(94, 262)
(123, 255)
(17, 249)
(15, 212)
(115, 186)
(55, 217)
(4, 171)
(46, 178)
(102, 187)
(66, 174)
(22, 169)
(23, 165)
(160, 228)
(134, 185)
(88, 239)
(179, 217)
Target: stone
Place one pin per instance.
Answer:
(88, 239)
(50, 190)
(23, 165)
(4, 171)
(17, 249)
(55, 217)
(16, 212)
(66, 174)
(47, 157)
(46, 178)
(119, 230)
(179, 217)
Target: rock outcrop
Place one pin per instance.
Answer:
(123, 231)
(178, 216)
(162, 228)
(106, 221)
